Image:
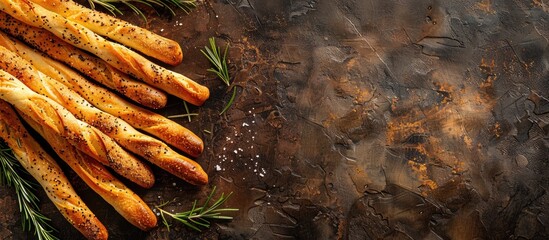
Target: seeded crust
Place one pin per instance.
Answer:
(114, 54)
(48, 174)
(84, 137)
(150, 122)
(153, 150)
(98, 178)
(140, 39)
(87, 64)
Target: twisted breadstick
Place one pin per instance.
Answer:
(98, 178)
(87, 64)
(149, 148)
(141, 39)
(81, 135)
(48, 174)
(115, 54)
(155, 124)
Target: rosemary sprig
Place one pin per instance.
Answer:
(185, 5)
(220, 62)
(198, 217)
(28, 202)
(220, 68)
(231, 100)
(188, 115)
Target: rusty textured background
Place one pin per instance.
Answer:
(359, 119)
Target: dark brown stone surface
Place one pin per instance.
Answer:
(359, 120)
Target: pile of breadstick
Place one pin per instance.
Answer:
(49, 51)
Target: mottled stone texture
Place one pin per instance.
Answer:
(360, 120)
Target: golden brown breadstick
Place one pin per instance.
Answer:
(49, 175)
(147, 147)
(98, 178)
(140, 118)
(141, 39)
(80, 134)
(87, 64)
(115, 54)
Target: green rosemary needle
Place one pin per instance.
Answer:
(185, 5)
(10, 175)
(231, 100)
(220, 68)
(198, 217)
(219, 62)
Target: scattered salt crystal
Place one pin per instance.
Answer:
(261, 175)
(235, 151)
(217, 168)
(245, 124)
(174, 184)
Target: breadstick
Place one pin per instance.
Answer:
(115, 54)
(141, 39)
(147, 147)
(155, 124)
(80, 134)
(98, 178)
(148, 121)
(49, 175)
(87, 64)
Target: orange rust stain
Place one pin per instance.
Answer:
(422, 173)
(446, 90)
(496, 130)
(487, 67)
(485, 6)
(446, 126)
(540, 4)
